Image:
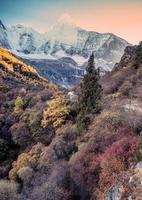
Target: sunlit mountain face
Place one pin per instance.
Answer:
(65, 48)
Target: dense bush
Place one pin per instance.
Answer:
(55, 113)
(25, 174)
(21, 134)
(108, 121)
(24, 160)
(19, 104)
(116, 159)
(8, 190)
(50, 191)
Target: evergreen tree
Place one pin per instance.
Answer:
(90, 94)
(90, 89)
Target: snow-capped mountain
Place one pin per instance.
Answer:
(24, 39)
(4, 42)
(64, 39)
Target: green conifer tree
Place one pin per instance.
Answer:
(90, 94)
(90, 89)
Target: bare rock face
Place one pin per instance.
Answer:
(133, 183)
(126, 59)
(139, 166)
(116, 193)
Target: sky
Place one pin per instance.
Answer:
(121, 17)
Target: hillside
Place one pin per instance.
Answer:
(51, 160)
(23, 96)
(10, 63)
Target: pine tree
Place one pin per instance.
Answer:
(90, 89)
(90, 94)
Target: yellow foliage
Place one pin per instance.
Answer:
(56, 112)
(23, 160)
(18, 104)
(10, 65)
(8, 61)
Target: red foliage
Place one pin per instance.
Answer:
(115, 160)
(122, 149)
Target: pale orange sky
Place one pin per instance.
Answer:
(124, 21)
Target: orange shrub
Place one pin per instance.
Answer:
(24, 160)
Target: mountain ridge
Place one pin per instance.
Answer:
(67, 38)
(63, 40)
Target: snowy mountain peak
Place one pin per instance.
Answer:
(19, 26)
(65, 39)
(64, 31)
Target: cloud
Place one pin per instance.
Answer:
(65, 18)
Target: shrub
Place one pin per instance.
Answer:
(116, 159)
(25, 174)
(19, 104)
(21, 134)
(35, 118)
(108, 120)
(24, 160)
(8, 190)
(68, 131)
(111, 167)
(50, 191)
(123, 149)
(56, 112)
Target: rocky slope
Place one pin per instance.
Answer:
(64, 71)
